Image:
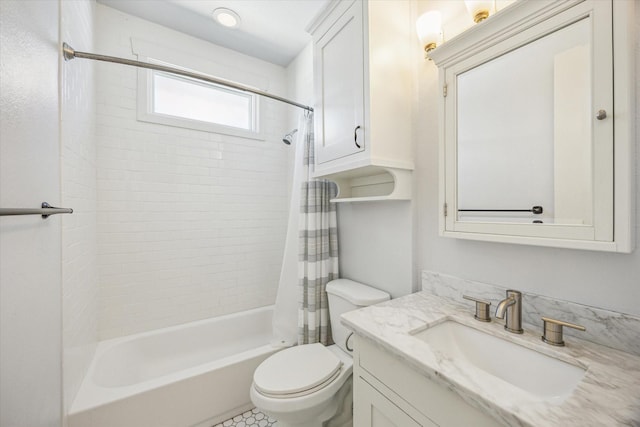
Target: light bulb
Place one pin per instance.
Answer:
(479, 9)
(429, 27)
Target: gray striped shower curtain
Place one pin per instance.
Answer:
(318, 248)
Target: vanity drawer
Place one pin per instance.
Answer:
(436, 402)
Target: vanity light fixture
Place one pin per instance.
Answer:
(429, 27)
(479, 9)
(226, 17)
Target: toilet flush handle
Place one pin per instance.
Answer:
(346, 343)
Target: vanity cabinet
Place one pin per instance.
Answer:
(363, 78)
(374, 409)
(388, 392)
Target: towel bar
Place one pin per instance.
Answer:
(46, 210)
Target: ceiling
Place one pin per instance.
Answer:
(271, 30)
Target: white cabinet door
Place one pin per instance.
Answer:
(372, 409)
(577, 149)
(340, 87)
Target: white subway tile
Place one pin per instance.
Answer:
(190, 224)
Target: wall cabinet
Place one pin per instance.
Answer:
(537, 129)
(340, 70)
(364, 92)
(388, 393)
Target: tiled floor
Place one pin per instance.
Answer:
(253, 418)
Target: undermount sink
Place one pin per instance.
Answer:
(543, 376)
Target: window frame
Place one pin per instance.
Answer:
(145, 104)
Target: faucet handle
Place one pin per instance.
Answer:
(553, 330)
(482, 308)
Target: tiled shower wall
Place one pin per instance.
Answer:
(191, 224)
(78, 177)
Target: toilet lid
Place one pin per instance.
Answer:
(296, 370)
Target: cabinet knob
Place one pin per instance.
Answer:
(602, 114)
(355, 136)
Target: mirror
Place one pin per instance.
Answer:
(524, 133)
(530, 117)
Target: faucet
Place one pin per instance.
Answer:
(511, 306)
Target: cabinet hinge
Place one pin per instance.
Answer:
(444, 90)
(444, 209)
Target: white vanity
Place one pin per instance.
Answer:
(390, 393)
(404, 376)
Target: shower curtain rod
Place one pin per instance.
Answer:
(69, 53)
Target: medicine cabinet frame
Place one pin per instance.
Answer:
(511, 28)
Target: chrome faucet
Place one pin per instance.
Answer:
(511, 306)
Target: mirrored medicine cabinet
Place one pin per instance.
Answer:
(537, 126)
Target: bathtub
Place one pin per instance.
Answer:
(192, 375)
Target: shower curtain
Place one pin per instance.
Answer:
(310, 261)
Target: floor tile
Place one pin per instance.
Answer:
(252, 418)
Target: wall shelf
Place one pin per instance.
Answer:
(372, 183)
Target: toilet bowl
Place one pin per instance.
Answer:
(310, 385)
(294, 403)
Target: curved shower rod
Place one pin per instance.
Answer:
(70, 53)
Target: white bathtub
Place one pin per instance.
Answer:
(195, 374)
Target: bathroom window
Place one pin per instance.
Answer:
(180, 101)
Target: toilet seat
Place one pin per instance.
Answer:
(297, 371)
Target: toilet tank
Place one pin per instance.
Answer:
(345, 295)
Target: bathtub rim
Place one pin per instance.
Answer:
(91, 395)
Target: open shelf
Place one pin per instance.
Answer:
(372, 183)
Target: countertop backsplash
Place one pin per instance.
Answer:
(612, 329)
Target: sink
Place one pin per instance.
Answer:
(542, 376)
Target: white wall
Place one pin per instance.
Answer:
(606, 280)
(191, 224)
(375, 244)
(300, 89)
(78, 169)
(300, 81)
(30, 285)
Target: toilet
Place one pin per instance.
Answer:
(310, 385)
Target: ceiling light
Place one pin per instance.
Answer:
(226, 17)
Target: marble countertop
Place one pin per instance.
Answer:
(608, 395)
